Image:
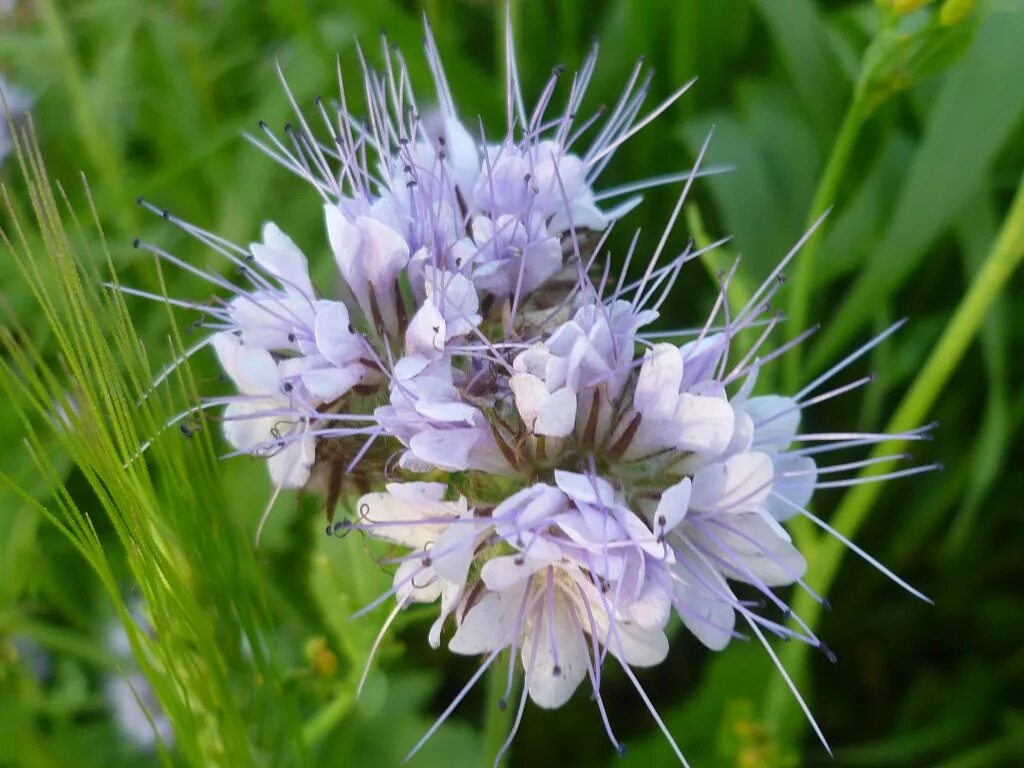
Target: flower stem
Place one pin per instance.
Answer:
(824, 196)
(497, 718)
(1002, 260)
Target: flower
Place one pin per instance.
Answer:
(559, 477)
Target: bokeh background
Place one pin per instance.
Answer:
(905, 116)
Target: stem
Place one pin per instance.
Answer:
(824, 196)
(497, 720)
(1002, 260)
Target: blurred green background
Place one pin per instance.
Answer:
(905, 116)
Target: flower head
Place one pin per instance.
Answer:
(560, 478)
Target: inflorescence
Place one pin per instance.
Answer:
(560, 478)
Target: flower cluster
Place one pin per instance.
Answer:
(560, 477)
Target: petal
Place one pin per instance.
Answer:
(557, 416)
(530, 394)
(776, 420)
(244, 427)
(407, 513)
(346, 241)
(426, 333)
(657, 385)
(586, 489)
(705, 424)
(292, 466)
(559, 662)
(737, 484)
(672, 506)
(488, 625)
(795, 477)
(279, 256)
(328, 384)
(760, 553)
(335, 338)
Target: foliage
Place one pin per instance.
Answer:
(904, 118)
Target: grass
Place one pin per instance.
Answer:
(909, 127)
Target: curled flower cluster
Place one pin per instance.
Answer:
(561, 478)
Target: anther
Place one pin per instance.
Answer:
(165, 213)
(502, 704)
(140, 200)
(136, 243)
(556, 671)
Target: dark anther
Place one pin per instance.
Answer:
(519, 560)
(558, 70)
(411, 183)
(829, 653)
(502, 704)
(241, 269)
(441, 154)
(292, 338)
(407, 168)
(427, 561)
(262, 124)
(440, 140)
(351, 328)
(556, 671)
(186, 429)
(287, 127)
(318, 101)
(621, 749)
(136, 242)
(140, 200)
(662, 521)
(287, 386)
(825, 604)
(527, 177)
(165, 213)
(781, 278)
(330, 530)
(249, 258)
(403, 141)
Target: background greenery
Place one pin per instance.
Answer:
(907, 120)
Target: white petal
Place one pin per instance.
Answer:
(557, 416)
(776, 420)
(407, 514)
(426, 333)
(737, 484)
(657, 385)
(757, 547)
(505, 572)
(798, 487)
(328, 384)
(335, 338)
(346, 241)
(488, 624)
(244, 428)
(530, 394)
(291, 466)
(560, 666)
(280, 257)
(672, 506)
(705, 424)
(589, 490)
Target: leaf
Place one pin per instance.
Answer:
(966, 128)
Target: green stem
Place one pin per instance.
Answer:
(498, 715)
(1002, 260)
(824, 197)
